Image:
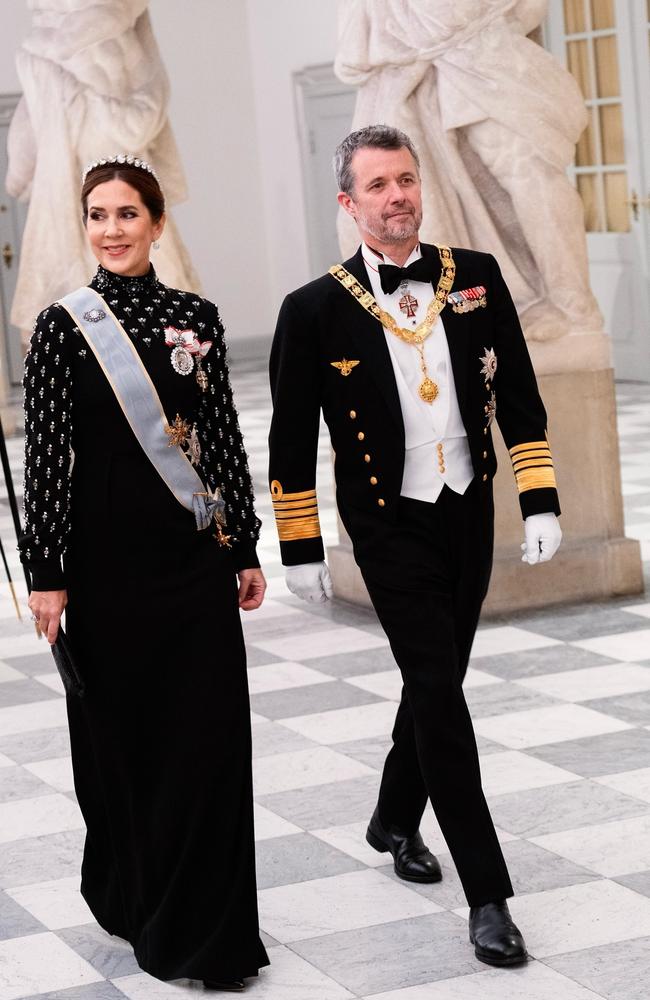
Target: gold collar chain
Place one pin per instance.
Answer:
(370, 304)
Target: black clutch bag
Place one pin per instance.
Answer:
(65, 664)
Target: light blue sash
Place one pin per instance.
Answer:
(140, 403)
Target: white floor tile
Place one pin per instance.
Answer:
(537, 726)
(282, 675)
(626, 646)
(639, 531)
(638, 609)
(268, 824)
(275, 609)
(513, 771)
(56, 904)
(479, 678)
(351, 839)
(282, 772)
(36, 715)
(6, 761)
(37, 817)
(630, 489)
(508, 639)
(144, 987)
(339, 903)
(22, 645)
(8, 673)
(56, 772)
(307, 645)
(51, 681)
(343, 724)
(579, 916)
(41, 963)
(529, 982)
(619, 847)
(292, 978)
(386, 683)
(256, 719)
(635, 783)
(592, 682)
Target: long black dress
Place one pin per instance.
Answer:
(161, 743)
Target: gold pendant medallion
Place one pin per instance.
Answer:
(428, 390)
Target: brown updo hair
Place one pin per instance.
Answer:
(144, 183)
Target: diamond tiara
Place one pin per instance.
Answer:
(121, 159)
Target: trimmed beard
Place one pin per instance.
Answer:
(400, 234)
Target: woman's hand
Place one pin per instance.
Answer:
(47, 607)
(251, 588)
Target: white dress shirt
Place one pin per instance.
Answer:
(437, 451)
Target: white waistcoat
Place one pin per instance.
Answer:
(437, 451)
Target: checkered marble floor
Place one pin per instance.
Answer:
(561, 702)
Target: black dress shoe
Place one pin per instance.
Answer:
(496, 938)
(413, 860)
(227, 986)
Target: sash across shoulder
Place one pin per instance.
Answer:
(140, 403)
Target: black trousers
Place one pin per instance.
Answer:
(427, 578)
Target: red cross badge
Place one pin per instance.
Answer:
(408, 304)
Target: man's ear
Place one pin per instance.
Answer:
(346, 202)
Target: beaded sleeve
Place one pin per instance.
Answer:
(223, 461)
(47, 386)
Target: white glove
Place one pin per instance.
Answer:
(310, 581)
(543, 536)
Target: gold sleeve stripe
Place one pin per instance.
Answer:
(304, 527)
(528, 446)
(534, 453)
(536, 479)
(292, 515)
(530, 463)
(296, 514)
(298, 505)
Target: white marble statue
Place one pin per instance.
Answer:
(93, 86)
(495, 118)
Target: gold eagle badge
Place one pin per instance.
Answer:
(344, 366)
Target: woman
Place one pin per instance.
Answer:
(161, 743)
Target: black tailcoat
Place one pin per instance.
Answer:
(322, 323)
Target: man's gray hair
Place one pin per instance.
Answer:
(371, 137)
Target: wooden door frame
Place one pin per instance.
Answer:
(313, 81)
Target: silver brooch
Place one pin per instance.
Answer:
(182, 360)
(94, 315)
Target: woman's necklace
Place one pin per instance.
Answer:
(427, 390)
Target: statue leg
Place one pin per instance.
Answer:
(551, 217)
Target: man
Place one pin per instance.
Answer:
(409, 396)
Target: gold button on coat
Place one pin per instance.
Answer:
(366, 458)
(353, 414)
(361, 435)
(373, 480)
(485, 477)
(485, 454)
(382, 503)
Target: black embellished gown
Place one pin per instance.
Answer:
(161, 742)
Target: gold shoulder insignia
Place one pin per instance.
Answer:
(344, 366)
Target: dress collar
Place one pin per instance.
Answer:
(108, 281)
(373, 258)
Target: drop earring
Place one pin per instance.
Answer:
(155, 245)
